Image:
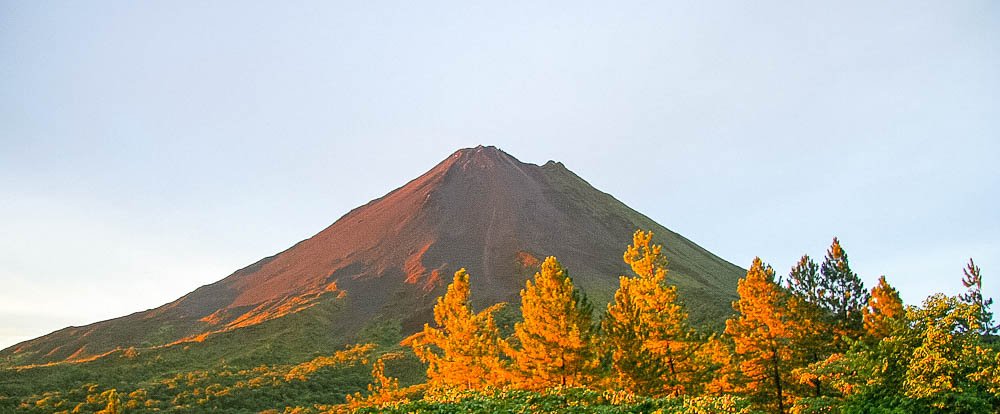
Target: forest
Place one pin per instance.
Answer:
(813, 341)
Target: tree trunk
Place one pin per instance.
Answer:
(775, 364)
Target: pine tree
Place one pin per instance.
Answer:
(555, 337)
(843, 294)
(884, 308)
(804, 281)
(813, 342)
(972, 279)
(646, 327)
(463, 351)
(718, 364)
(763, 330)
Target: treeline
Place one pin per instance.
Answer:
(813, 341)
(816, 341)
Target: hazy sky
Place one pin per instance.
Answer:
(147, 148)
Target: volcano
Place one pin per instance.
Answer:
(388, 261)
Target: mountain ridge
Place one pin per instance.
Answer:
(480, 209)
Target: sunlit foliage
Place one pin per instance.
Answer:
(884, 311)
(554, 342)
(811, 343)
(764, 330)
(382, 392)
(646, 326)
(463, 351)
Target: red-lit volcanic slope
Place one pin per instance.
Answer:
(480, 208)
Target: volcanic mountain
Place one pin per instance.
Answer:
(387, 262)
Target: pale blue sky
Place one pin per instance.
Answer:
(147, 148)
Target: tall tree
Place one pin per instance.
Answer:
(843, 293)
(463, 351)
(812, 341)
(763, 331)
(646, 326)
(884, 308)
(555, 337)
(972, 279)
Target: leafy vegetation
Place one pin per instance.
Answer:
(816, 342)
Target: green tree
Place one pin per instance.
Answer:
(804, 281)
(944, 357)
(972, 279)
(843, 294)
(812, 341)
(930, 363)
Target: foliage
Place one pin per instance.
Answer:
(972, 279)
(843, 294)
(463, 351)
(382, 392)
(555, 339)
(802, 346)
(324, 380)
(804, 281)
(934, 361)
(814, 322)
(567, 400)
(763, 330)
(884, 310)
(646, 326)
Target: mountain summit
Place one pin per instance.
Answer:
(387, 261)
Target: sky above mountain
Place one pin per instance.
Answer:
(151, 148)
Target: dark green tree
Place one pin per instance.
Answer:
(972, 279)
(813, 341)
(804, 281)
(843, 294)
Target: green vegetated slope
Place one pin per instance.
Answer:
(295, 360)
(376, 271)
(705, 281)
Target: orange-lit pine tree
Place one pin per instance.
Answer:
(555, 338)
(763, 330)
(717, 366)
(646, 327)
(884, 307)
(463, 351)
